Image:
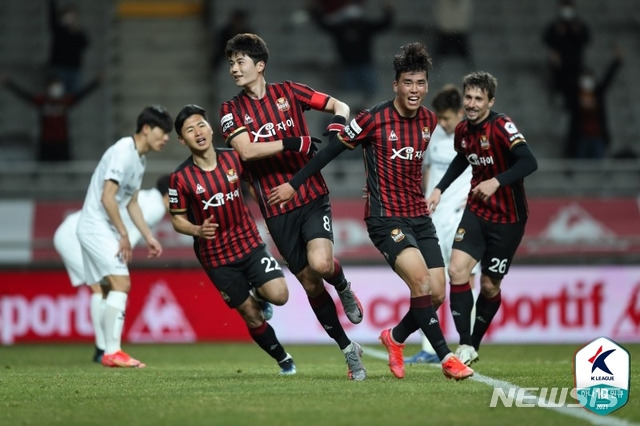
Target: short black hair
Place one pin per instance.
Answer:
(413, 58)
(249, 44)
(186, 112)
(154, 116)
(448, 97)
(162, 184)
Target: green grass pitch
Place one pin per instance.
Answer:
(237, 384)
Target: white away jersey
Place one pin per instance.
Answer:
(120, 163)
(440, 153)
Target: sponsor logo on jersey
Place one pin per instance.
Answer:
(407, 153)
(474, 160)
(219, 199)
(392, 136)
(283, 104)
(232, 176)
(199, 189)
(173, 192)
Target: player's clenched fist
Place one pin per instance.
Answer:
(208, 229)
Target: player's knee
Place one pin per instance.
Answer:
(489, 286)
(458, 273)
(279, 296)
(321, 265)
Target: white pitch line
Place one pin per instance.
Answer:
(579, 413)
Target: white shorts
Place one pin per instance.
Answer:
(67, 245)
(446, 223)
(100, 253)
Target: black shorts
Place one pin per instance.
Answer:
(234, 280)
(391, 235)
(293, 230)
(493, 244)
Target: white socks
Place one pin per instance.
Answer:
(114, 320)
(97, 312)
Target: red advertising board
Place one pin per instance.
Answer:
(539, 305)
(163, 306)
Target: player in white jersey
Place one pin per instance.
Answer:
(154, 203)
(447, 105)
(105, 241)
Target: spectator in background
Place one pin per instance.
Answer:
(588, 136)
(154, 204)
(68, 44)
(353, 34)
(54, 141)
(453, 23)
(237, 23)
(566, 38)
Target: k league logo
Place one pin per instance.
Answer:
(601, 373)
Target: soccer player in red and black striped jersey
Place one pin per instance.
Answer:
(394, 136)
(206, 202)
(494, 219)
(265, 124)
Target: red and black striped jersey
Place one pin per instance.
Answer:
(487, 146)
(279, 114)
(200, 194)
(393, 148)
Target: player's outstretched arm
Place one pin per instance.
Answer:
(283, 193)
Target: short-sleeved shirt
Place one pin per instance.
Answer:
(120, 163)
(393, 148)
(201, 194)
(279, 114)
(487, 146)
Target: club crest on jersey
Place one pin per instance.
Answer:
(283, 104)
(247, 119)
(392, 136)
(459, 235)
(232, 176)
(199, 189)
(484, 142)
(397, 235)
(426, 134)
